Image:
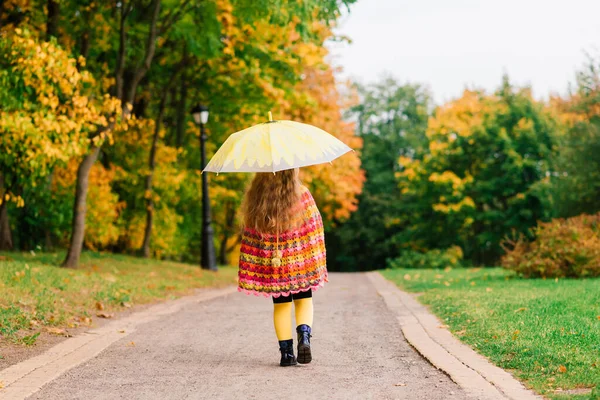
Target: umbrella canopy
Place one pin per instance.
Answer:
(276, 146)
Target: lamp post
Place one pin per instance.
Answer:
(208, 258)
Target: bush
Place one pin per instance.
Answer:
(562, 248)
(451, 257)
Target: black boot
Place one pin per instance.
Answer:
(286, 347)
(304, 335)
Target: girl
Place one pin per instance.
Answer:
(283, 255)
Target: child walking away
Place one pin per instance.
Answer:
(283, 255)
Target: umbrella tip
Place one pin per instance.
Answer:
(270, 116)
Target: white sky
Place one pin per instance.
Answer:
(450, 44)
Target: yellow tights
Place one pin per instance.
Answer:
(282, 316)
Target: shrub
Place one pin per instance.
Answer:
(562, 248)
(450, 257)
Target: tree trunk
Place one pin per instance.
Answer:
(6, 242)
(52, 21)
(229, 228)
(149, 177)
(126, 97)
(223, 249)
(181, 109)
(80, 208)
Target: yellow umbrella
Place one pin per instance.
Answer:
(275, 146)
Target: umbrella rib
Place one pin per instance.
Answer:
(271, 148)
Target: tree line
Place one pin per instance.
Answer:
(471, 176)
(97, 144)
(98, 149)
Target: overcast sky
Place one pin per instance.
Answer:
(450, 44)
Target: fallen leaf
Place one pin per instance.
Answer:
(489, 289)
(122, 331)
(99, 306)
(472, 283)
(446, 283)
(438, 276)
(126, 304)
(562, 369)
(400, 384)
(1, 384)
(55, 331)
(521, 309)
(598, 317)
(407, 277)
(131, 344)
(104, 315)
(461, 332)
(443, 326)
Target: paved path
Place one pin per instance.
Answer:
(225, 348)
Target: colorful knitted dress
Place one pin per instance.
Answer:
(302, 250)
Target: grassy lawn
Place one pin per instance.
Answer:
(36, 295)
(546, 332)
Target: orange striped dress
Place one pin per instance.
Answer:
(302, 251)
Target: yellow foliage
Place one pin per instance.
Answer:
(103, 206)
(454, 207)
(447, 177)
(52, 119)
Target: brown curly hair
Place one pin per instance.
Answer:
(271, 201)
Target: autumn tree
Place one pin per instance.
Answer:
(48, 111)
(391, 121)
(576, 176)
(484, 176)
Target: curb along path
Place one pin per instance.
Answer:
(471, 371)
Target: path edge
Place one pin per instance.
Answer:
(29, 376)
(428, 335)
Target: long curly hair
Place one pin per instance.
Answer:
(271, 201)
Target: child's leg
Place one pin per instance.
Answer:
(282, 317)
(304, 320)
(304, 308)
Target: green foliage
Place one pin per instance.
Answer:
(436, 258)
(483, 177)
(576, 179)
(562, 248)
(532, 327)
(392, 119)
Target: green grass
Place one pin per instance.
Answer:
(546, 332)
(37, 295)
